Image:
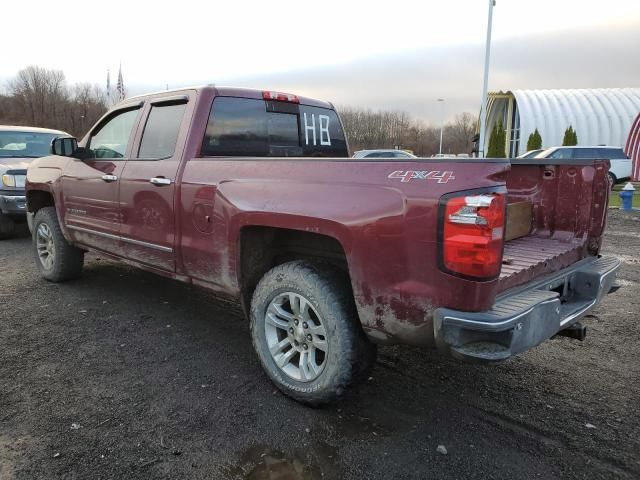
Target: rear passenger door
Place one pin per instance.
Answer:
(148, 182)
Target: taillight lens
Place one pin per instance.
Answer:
(280, 96)
(472, 235)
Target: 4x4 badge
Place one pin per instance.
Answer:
(408, 175)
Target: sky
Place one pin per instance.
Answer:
(395, 55)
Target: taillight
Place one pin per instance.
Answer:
(471, 234)
(280, 97)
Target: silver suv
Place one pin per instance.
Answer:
(620, 163)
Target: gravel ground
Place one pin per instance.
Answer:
(126, 375)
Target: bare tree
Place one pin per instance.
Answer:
(459, 134)
(40, 92)
(41, 97)
(366, 129)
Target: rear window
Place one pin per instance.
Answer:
(258, 128)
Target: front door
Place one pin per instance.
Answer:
(148, 183)
(90, 187)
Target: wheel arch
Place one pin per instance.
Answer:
(260, 248)
(37, 199)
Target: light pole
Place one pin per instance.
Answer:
(441, 101)
(483, 109)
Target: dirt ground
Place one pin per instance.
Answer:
(126, 375)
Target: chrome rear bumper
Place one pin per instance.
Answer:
(526, 316)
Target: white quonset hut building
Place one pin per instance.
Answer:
(600, 116)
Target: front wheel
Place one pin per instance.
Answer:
(306, 333)
(56, 259)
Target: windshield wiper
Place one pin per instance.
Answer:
(19, 156)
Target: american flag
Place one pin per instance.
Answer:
(632, 148)
(120, 86)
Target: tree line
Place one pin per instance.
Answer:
(41, 97)
(368, 129)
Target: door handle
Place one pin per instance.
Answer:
(160, 181)
(109, 178)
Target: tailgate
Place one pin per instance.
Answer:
(556, 213)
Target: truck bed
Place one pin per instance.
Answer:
(531, 256)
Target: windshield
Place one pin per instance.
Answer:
(25, 144)
(531, 154)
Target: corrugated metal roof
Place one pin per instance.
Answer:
(600, 116)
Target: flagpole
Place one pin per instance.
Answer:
(108, 87)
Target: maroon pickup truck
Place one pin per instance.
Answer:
(252, 194)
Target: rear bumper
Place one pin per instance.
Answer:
(13, 204)
(526, 316)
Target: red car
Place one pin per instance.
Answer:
(252, 194)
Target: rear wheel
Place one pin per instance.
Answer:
(306, 333)
(7, 226)
(613, 179)
(56, 259)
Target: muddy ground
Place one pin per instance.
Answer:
(126, 375)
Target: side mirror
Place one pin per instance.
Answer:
(64, 146)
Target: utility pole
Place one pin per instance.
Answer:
(441, 102)
(483, 109)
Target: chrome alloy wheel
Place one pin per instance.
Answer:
(296, 337)
(45, 245)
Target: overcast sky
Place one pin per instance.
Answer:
(398, 55)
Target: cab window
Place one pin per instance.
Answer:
(161, 131)
(111, 139)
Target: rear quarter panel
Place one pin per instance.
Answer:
(386, 226)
